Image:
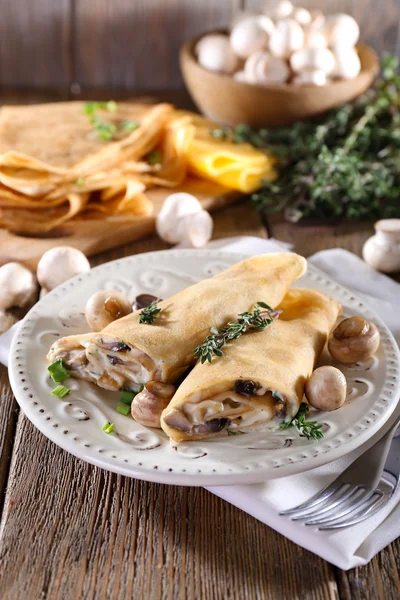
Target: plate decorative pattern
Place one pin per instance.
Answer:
(75, 423)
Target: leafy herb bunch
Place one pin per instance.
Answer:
(257, 319)
(343, 165)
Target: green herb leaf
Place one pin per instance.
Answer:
(108, 427)
(80, 181)
(214, 343)
(60, 391)
(127, 397)
(154, 158)
(57, 371)
(231, 432)
(130, 125)
(343, 165)
(123, 409)
(308, 429)
(149, 313)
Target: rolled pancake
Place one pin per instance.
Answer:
(127, 353)
(259, 381)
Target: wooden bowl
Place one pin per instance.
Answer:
(222, 98)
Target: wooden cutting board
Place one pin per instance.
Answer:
(96, 236)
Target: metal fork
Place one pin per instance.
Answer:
(360, 491)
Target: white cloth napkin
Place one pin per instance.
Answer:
(358, 544)
(355, 545)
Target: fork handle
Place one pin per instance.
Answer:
(368, 468)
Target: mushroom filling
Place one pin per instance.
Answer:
(247, 405)
(111, 364)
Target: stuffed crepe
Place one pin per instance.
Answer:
(259, 381)
(128, 354)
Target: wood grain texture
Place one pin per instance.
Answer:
(136, 44)
(8, 421)
(35, 42)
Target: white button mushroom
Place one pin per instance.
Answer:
(302, 16)
(264, 69)
(104, 307)
(147, 405)
(251, 34)
(183, 220)
(7, 320)
(347, 62)
(240, 76)
(311, 59)
(314, 39)
(315, 77)
(326, 389)
(341, 29)
(283, 9)
(354, 340)
(18, 286)
(59, 264)
(287, 37)
(214, 53)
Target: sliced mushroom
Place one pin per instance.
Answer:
(213, 426)
(147, 406)
(143, 300)
(18, 286)
(106, 306)
(354, 340)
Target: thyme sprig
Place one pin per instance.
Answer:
(308, 429)
(149, 313)
(345, 164)
(256, 319)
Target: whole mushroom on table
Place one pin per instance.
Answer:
(289, 45)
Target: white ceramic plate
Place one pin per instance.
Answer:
(75, 423)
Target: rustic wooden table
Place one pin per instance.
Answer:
(70, 530)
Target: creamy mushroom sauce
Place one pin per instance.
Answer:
(212, 411)
(110, 363)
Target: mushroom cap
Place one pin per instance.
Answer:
(287, 37)
(250, 34)
(341, 29)
(326, 389)
(60, 264)
(176, 207)
(214, 53)
(263, 68)
(354, 340)
(347, 62)
(320, 59)
(315, 77)
(106, 306)
(283, 9)
(18, 286)
(302, 16)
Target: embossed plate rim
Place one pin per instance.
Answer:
(313, 455)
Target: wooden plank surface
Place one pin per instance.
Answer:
(136, 44)
(128, 44)
(35, 43)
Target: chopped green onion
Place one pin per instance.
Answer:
(127, 397)
(111, 106)
(130, 125)
(80, 181)
(57, 371)
(154, 158)
(108, 427)
(60, 391)
(123, 409)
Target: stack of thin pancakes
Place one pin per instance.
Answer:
(56, 166)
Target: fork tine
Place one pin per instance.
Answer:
(366, 510)
(317, 499)
(342, 509)
(342, 494)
